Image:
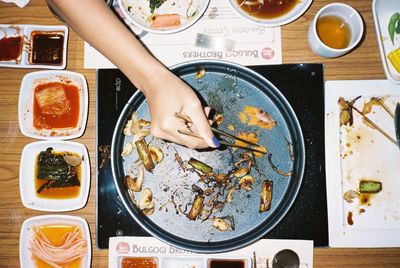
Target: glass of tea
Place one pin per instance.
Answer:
(335, 30)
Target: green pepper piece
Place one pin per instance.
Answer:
(200, 166)
(398, 25)
(392, 26)
(370, 187)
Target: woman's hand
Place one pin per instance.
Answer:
(167, 95)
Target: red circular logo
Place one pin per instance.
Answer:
(123, 247)
(267, 53)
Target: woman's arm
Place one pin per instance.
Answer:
(166, 94)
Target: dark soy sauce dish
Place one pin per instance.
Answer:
(47, 47)
(220, 263)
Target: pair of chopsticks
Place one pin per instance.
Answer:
(220, 132)
(374, 124)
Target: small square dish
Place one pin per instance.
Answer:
(362, 163)
(54, 176)
(53, 105)
(383, 10)
(63, 249)
(33, 46)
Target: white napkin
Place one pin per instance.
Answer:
(20, 3)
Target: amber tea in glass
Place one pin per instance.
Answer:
(334, 31)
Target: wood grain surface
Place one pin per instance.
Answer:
(362, 63)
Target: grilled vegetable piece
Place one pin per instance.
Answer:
(265, 196)
(197, 207)
(224, 223)
(146, 203)
(135, 183)
(144, 154)
(370, 187)
(200, 166)
(394, 58)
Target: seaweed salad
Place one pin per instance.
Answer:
(57, 171)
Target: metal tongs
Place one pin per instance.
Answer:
(221, 133)
(395, 116)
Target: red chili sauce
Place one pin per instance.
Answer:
(10, 48)
(47, 48)
(133, 262)
(56, 105)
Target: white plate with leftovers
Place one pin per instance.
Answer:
(270, 13)
(387, 25)
(53, 105)
(55, 241)
(163, 16)
(362, 163)
(33, 46)
(54, 176)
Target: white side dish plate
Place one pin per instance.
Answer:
(139, 13)
(289, 17)
(25, 30)
(382, 11)
(360, 153)
(27, 177)
(26, 99)
(27, 234)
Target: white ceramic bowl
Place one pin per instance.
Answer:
(138, 11)
(294, 14)
(27, 171)
(27, 234)
(26, 98)
(350, 16)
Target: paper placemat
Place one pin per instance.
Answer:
(166, 256)
(249, 44)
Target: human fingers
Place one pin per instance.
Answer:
(168, 130)
(202, 125)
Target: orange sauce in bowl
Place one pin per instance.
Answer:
(68, 118)
(56, 235)
(334, 32)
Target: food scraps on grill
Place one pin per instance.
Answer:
(213, 190)
(58, 246)
(58, 174)
(254, 116)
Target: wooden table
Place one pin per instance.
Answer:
(363, 63)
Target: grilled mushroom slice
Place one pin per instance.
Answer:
(265, 196)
